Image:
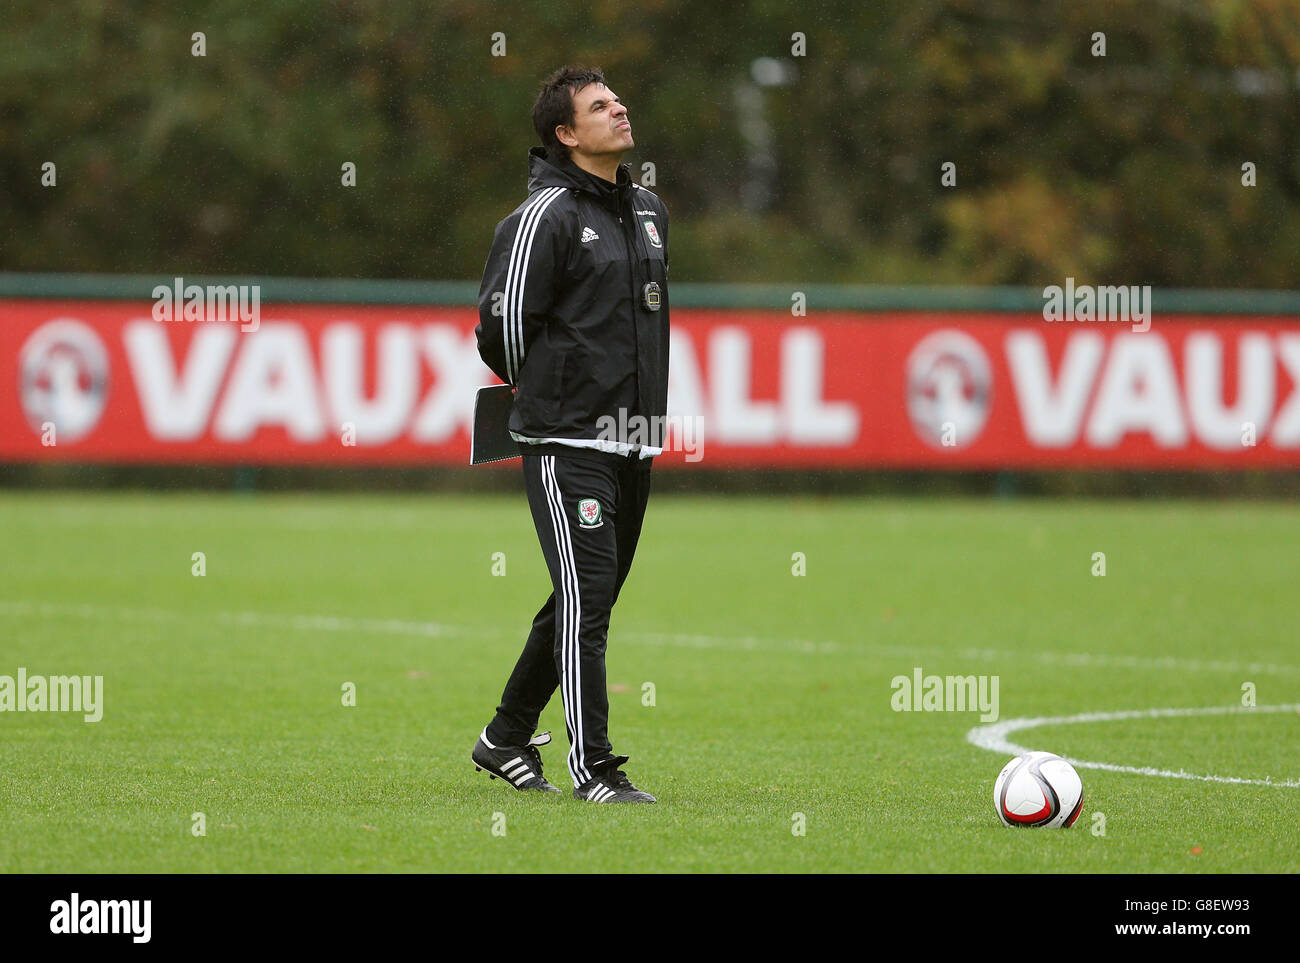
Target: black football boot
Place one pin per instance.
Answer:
(611, 785)
(520, 766)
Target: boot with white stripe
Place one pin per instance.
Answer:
(521, 766)
(611, 785)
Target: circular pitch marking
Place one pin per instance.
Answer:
(993, 736)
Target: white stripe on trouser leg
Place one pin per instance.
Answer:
(512, 323)
(564, 602)
(570, 647)
(570, 656)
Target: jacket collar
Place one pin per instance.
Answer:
(542, 173)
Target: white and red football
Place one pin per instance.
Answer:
(1038, 789)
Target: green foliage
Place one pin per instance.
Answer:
(1125, 168)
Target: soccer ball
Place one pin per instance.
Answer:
(1038, 789)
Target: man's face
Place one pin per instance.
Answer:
(600, 124)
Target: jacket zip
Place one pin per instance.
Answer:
(636, 341)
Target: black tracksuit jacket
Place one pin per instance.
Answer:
(562, 310)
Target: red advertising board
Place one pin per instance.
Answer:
(85, 380)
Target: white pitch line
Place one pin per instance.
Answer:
(993, 737)
(1102, 661)
(343, 623)
(305, 623)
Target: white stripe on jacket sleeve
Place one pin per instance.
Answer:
(512, 322)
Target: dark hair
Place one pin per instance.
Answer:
(554, 105)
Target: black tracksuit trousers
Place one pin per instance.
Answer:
(587, 507)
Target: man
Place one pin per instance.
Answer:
(574, 314)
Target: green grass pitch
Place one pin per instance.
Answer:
(223, 693)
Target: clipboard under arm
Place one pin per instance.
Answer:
(490, 439)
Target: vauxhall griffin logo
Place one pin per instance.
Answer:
(949, 389)
(63, 378)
